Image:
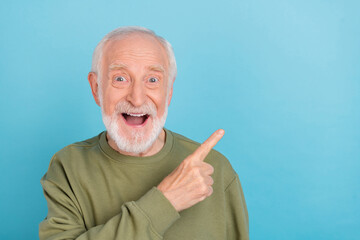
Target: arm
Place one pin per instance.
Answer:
(237, 220)
(147, 218)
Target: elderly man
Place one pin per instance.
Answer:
(138, 180)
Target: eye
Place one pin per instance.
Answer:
(120, 79)
(153, 80)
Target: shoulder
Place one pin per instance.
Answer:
(73, 156)
(178, 138)
(81, 147)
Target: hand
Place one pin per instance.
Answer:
(191, 181)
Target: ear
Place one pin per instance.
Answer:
(92, 77)
(170, 95)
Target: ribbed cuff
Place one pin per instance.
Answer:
(160, 211)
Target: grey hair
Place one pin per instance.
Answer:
(124, 31)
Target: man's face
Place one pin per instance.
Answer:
(134, 97)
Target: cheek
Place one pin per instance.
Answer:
(109, 102)
(161, 107)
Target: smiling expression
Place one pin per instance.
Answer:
(134, 85)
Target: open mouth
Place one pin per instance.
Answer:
(135, 119)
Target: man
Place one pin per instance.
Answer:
(138, 180)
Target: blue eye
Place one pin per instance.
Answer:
(153, 80)
(120, 79)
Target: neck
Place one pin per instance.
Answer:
(155, 148)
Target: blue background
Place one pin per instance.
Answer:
(281, 77)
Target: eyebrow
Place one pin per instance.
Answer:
(120, 66)
(157, 68)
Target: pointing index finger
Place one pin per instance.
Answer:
(204, 149)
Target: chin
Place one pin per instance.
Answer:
(134, 139)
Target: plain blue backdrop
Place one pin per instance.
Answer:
(281, 77)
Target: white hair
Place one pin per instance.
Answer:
(124, 31)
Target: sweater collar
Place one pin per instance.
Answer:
(113, 154)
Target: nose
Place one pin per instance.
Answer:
(136, 95)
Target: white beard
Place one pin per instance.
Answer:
(138, 142)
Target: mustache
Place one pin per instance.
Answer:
(148, 108)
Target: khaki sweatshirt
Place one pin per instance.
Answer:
(94, 192)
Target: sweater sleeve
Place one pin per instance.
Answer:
(237, 220)
(147, 218)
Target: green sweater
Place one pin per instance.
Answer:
(94, 192)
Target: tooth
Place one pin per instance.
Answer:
(136, 115)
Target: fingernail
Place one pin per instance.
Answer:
(221, 132)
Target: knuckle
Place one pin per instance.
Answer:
(211, 190)
(204, 189)
(202, 198)
(211, 180)
(187, 161)
(196, 171)
(204, 181)
(208, 167)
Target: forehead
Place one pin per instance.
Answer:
(135, 49)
